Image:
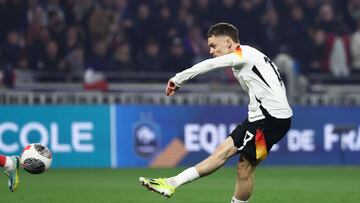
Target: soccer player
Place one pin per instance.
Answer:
(269, 114)
(11, 166)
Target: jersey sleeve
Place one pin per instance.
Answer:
(228, 60)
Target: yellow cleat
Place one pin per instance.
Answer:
(158, 185)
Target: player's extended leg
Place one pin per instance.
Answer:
(244, 181)
(11, 165)
(167, 186)
(222, 153)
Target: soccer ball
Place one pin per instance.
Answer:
(36, 158)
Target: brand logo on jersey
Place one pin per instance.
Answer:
(147, 136)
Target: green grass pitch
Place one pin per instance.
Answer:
(272, 184)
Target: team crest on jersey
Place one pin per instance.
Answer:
(147, 134)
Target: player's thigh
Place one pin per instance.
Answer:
(226, 149)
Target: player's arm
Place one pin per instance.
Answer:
(228, 60)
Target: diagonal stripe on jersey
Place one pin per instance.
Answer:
(257, 72)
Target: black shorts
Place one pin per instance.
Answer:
(255, 139)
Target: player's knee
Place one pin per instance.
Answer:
(244, 172)
(243, 176)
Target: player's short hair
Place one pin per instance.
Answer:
(225, 29)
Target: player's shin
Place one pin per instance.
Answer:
(184, 177)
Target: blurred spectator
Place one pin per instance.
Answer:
(284, 7)
(75, 63)
(186, 5)
(353, 11)
(164, 26)
(68, 8)
(250, 30)
(74, 38)
(339, 52)
(355, 48)
(99, 24)
(150, 57)
(12, 16)
(99, 59)
(6, 74)
(36, 14)
(82, 10)
(316, 55)
(23, 74)
(227, 11)
(3, 22)
(37, 46)
(9, 56)
(57, 29)
(52, 64)
(272, 32)
(310, 11)
(6, 77)
(11, 49)
(122, 60)
(182, 21)
(204, 10)
(119, 18)
(53, 7)
(37, 20)
(178, 59)
(294, 28)
(95, 65)
(296, 84)
(326, 17)
(143, 22)
(195, 45)
(353, 7)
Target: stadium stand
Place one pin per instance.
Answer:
(122, 51)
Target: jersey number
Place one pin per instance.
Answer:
(247, 138)
(267, 60)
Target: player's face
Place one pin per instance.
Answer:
(219, 45)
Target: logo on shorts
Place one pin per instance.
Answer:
(147, 134)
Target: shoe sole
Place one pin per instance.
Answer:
(149, 188)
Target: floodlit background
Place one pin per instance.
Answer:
(87, 78)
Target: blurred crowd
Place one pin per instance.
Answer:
(60, 40)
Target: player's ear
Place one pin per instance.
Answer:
(229, 42)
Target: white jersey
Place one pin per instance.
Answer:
(257, 75)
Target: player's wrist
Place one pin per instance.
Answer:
(176, 83)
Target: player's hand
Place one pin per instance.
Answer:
(171, 88)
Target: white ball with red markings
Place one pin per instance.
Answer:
(36, 158)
